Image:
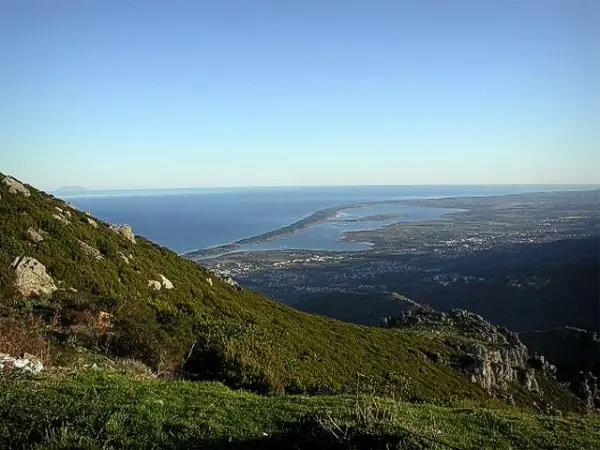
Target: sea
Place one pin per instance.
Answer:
(186, 220)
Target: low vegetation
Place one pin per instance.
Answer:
(109, 410)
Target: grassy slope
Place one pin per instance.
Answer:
(242, 338)
(110, 410)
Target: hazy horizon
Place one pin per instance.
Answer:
(155, 94)
(74, 191)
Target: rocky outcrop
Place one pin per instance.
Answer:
(90, 251)
(61, 218)
(225, 278)
(63, 212)
(492, 356)
(585, 386)
(163, 283)
(26, 364)
(497, 368)
(92, 222)
(14, 187)
(125, 231)
(31, 277)
(34, 236)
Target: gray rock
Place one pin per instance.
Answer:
(225, 278)
(165, 282)
(234, 284)
(125, 231)
(34, 235)
(90, 251)
(62, 219)
(26, 364)
(31, 277)
(157, 285)
(585, 386)
(63, 212)
(153, 284)
(14, 187)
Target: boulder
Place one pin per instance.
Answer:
(31, 277)
(125, 231)
(165, 282)
(90, 251)
(92, 222)
(61, 218)
(157, 285)
(26, 364)
(63, 212)
(34, 235)
(153, 284)
(14, 187)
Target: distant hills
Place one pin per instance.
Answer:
(70, 190)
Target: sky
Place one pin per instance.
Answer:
(148, 94)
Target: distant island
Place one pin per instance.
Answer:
(69, 190)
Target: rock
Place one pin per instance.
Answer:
(61, 218)
(92, 222)
(493, 357)
(31, 277)
(585, 386)
(230, 281)
(63, 212)
(14, 187)
(209, 281)
(165, 282)
(26, 364)
(90, 251)
(123, 257)
(125, 231)
(34, 236)
(153, 284)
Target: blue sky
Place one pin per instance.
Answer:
(142, 94)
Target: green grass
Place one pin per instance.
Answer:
(97, 409)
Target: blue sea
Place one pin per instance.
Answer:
(190, 219)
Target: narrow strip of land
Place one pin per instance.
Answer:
(321, 215)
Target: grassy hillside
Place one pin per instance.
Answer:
(109, 410)
(203, 328)
(239, 337)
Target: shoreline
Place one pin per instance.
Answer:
(319, 216)
(459, 204)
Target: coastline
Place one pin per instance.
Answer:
(459, 205)
(319, 216)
